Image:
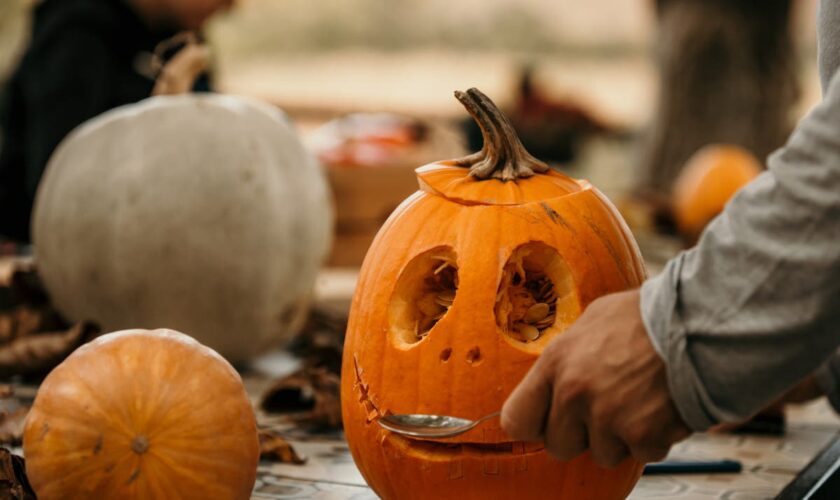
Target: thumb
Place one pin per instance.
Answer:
(524, 412)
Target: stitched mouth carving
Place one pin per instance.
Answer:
(439, 447)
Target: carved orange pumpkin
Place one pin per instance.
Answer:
(710, 178)
(463, 287)
(142, 415)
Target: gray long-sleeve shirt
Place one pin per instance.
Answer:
(755, 306)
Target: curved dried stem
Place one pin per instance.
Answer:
(503, 156)
(178, 76)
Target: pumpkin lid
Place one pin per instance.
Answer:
(502, 173)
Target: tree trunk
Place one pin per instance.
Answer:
(727, 76)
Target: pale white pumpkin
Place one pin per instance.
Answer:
(201, 213)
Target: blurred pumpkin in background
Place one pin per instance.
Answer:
(142, 415)
(463, 287)
(202, 213)
(710, 178)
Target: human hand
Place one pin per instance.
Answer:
(600, 386)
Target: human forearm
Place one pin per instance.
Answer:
(754, 307)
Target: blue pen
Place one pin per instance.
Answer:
(693, 467)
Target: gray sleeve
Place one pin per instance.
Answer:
(755, 306)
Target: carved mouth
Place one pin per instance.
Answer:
(436, 448)
(445, 449)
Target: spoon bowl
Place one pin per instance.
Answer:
(417, 425)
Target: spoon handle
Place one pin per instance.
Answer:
(489, 416)
(475, 423)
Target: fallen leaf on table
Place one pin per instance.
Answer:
(321, 340)
(14, 484)
(25, 321)
(11, 423)
(11, 426)
(274, 447)
(39, 353)
(34, 338)
(310, 396)
(27, 288)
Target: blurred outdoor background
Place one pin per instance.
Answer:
(321, 59)
(329, 56)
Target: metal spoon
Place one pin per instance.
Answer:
(430, 426)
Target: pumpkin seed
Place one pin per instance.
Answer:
(526, 302)
(545, 287)
(536, 312)
(545, 322)
(428, 304)
(446, 296)
(439, 293)
(442, 267)
(528, 332)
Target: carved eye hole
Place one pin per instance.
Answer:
(424, 293)
(536, 296)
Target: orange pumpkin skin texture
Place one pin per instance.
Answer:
(468, 364)
(710, 178)
(142, 414)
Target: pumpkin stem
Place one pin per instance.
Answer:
(503, 156)
(179, 74)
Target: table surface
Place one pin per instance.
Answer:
(769, 462)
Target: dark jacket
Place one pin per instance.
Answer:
(85, 57)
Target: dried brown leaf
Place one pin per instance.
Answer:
(309, 396)
(321, 340)
(274, 447)
(40, 353)
(7, 327)
(14, 484)
(26, 288)
(11, 426)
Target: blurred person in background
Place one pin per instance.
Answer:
(84, 57)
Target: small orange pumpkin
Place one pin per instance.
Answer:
(142, 415)
(710, 178)
(462, 288)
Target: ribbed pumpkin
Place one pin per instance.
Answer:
(710, 178)
(202, 213)
(463, 287)
(142, 415)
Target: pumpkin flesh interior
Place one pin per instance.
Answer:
(425, 291)
(535, 275)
